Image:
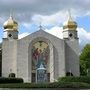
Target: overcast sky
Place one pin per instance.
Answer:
(51, 13)
(25, 10)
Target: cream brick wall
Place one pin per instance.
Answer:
(8, 57)
(72, 56)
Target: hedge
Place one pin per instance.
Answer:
(4, 80)
(47, 85)
(64, 82)
(83, 79)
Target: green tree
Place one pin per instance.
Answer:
(85, 60)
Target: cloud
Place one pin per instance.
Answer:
(84, 37)
(23, 35)
(56, 31)
(25, 10)
(54, 19)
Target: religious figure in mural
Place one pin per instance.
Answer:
(40, 54)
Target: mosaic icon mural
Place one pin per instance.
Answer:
(40, 54)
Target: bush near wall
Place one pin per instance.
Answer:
(47, 85)
(64, 82)
(83, 79)
(4, 80)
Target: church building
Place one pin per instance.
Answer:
(40, 56)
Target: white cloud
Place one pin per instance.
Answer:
(23, 35)
(57, 18)
(27, 25)
(84, 36)
(54, 19)
(56, 31)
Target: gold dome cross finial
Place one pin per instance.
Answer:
(69, 15)
(10, 24)
(11, 14)
(70, 24)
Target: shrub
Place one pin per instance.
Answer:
(10, 80)
(47, 85)
(84, 79)
(74, 85)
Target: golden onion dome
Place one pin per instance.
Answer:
(15, 26)
(70, 24)
(10, 24)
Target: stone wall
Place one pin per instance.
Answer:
(72, 56)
